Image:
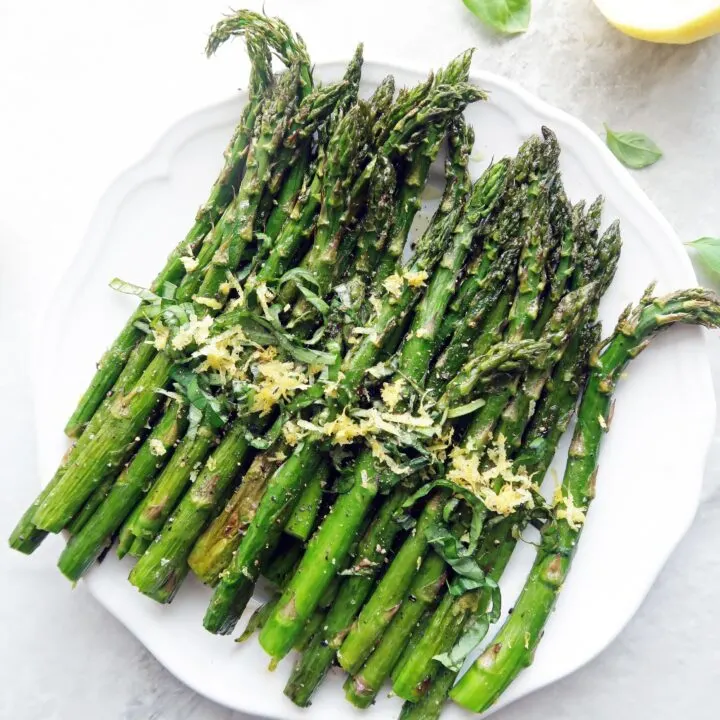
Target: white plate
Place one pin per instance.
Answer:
(652, 461)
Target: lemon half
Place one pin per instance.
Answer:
(665, 21)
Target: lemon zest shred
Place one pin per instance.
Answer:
(197, 330)
(416, 279)
(394, 284)
(391, 393)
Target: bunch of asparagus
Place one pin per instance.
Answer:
(296, 400)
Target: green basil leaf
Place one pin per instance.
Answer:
(707, 250)
(471, 638)
(314, 299)
(129, 289)
(460, 410)
(505, 16)
(632, 149)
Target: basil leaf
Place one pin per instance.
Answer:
(708, 252)
(460, 410)
(505, 16)
(632, 149)
(314, 299)
(471, 638)
(129, 289)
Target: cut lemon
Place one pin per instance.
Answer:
(664, 21)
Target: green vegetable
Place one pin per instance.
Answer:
(707, 250)
(505, 16)
(632, 149)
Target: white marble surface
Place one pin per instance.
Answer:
(86, 87)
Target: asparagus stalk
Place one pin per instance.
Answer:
(415, 671)
(286, 484)
(362, 688)
(90, 506)
(288, 46)
(302, 521)
(123, 364)
(160, 580)
(330, 545)
(236, 227)
(514, 645)
(452, 614)
(372, 552)
(86, 546)
(146, 575)
(381, 100)
(346, 153)
(373, 620)
(283, 563)
(95, 457)
(213, 551)
(415, 179)
(521, 408)
(221, 194)
(295, 158)
(501, 228)
(300, 215)
(93, 460)
(384, 603)
(430, 705)
(343, 149)
(487, 275)
(160, 501)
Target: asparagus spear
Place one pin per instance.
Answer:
(423, 320)
(521, 408)
(235, 229)
(90, 506)
(415, 671)
(372, 552)
(302, 521)
(418, 669)
(124, 362)
(221, 194)
(214, 550)
(288, 46)
(286, 484)
(283, 563)
(346, 154)
(487, 277)
(295, 158)
(514, 645)
(160, 501)
(362, 688)
(85, 547)
(498, 230)
(410, 678)
(94, 459)
(381, 100)
(330, 545)
(146, 575)
(344, 149)
(374, 617)
(546, 429)
(415, 178)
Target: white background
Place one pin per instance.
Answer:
(86, 87)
